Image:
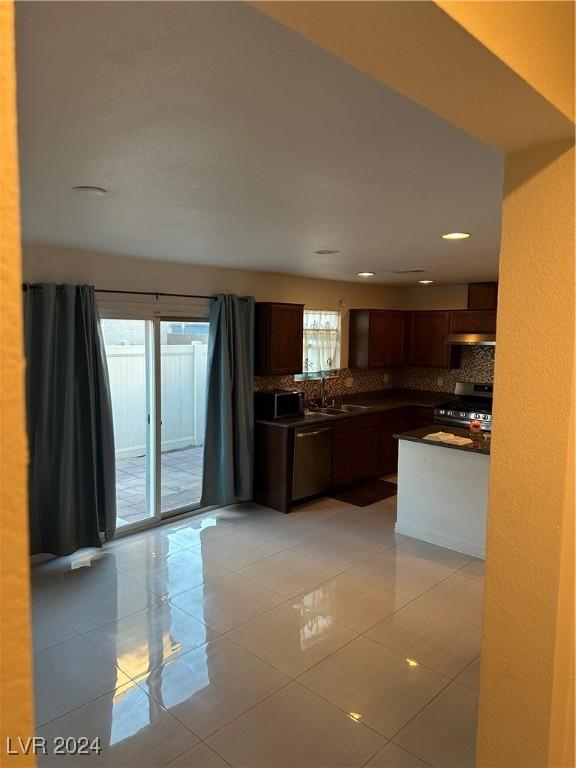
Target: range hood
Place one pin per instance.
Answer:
(471, 339)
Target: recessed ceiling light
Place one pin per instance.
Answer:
(425, 282)
(456, 236)
(85, 190)
(327, 251)
(365, 274)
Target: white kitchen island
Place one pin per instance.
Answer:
(443, 491)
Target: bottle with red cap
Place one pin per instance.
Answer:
(475, 427)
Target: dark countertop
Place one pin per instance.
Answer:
(384, 400)
(417, 436)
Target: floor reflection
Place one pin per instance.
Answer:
(131, 711)
(174, 683)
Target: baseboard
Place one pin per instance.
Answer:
(465, 547)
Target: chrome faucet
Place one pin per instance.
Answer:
(323, 400)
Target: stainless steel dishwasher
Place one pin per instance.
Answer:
(312, 461)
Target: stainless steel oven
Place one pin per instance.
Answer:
(471, 401)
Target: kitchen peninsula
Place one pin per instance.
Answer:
(443, 490)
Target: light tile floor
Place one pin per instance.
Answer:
(181, 483)
(245, 637)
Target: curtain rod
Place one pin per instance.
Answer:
(157, 294)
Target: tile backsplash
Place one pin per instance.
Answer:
(363, 380)
(477, 365)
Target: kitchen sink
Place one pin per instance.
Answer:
(338, 410)
(352, 408)
(322, 412)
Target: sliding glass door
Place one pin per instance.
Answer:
(129, 353)
(183, 352)
(157, 371)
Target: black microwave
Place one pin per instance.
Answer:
(273, 404)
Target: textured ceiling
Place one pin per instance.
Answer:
(226, 139)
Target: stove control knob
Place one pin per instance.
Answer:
(442, 412)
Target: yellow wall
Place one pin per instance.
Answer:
(548, 62)
(528, 489)
(562, 747)
(422, 52)
(15, 668)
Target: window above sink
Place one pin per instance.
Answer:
(321, 344)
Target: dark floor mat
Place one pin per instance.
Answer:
(368, 493)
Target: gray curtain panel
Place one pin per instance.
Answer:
(229, 440)
(72, 493)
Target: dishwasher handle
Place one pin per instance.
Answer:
(312, 434)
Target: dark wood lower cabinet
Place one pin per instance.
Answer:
(343, 460)
(363, 448)
(392, 422)
(367, 453)
(273, 466)
(422, 416)
(355, 450)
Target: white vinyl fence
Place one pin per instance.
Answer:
(183, 396)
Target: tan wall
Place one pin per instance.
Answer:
(53, 264)
(16, 718)
(50, 264)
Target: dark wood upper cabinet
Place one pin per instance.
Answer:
(473, 321)
(377, 338)
(482, 295)
(427, 340)
(279, 339)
